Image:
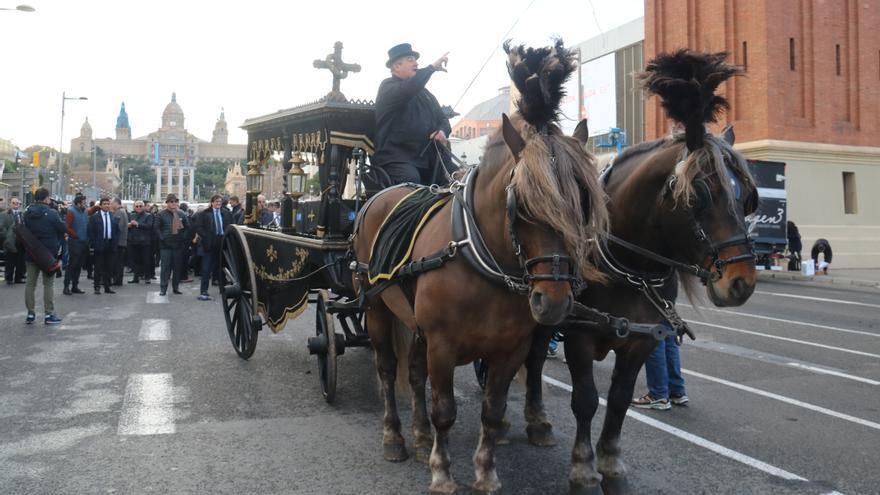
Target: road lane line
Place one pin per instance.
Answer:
(825, 371)
(148, 407)
(694, 439)
(804, 342)
(155, 298)
(781, 320)
(787, 400)
(155, 329)
(822, 299)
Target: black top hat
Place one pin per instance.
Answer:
(398, 51)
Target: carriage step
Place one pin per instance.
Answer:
(337, 306)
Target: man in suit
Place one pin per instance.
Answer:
(140, 236)
(209, 225)
(121, 215)
(104, 239)
(237, 210)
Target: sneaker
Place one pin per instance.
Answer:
(204, 297)
(51, 319)
(648, 402)
(678, 400)
(30, 318)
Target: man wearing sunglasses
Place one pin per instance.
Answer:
(171, 226)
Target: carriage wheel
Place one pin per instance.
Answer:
(324, 347)
(236, 293)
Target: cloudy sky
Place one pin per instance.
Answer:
(253, 57)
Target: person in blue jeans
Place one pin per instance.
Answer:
(663, 374)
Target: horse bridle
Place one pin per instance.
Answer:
(710, 248)
(556, 275)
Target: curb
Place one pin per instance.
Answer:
(823, 280)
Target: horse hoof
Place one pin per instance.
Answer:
(447, 487)
(615, 486)
(486, 490)
(541, 435)
(578, 489)
(394, 452)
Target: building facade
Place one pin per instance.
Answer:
(809, 97)
(174, 152)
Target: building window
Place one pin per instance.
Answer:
(745, 56)
(791, 53)
(850, 199)
(837, 57)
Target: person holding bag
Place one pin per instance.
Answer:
(46, 226)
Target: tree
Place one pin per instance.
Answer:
(210, 177)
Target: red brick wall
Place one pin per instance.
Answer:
(811, 103)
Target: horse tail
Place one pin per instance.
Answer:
(402, 341)
(539, 75)
(686, 82)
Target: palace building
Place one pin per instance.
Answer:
(174, 152)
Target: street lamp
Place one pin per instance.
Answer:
(20, 8)
(64, 99)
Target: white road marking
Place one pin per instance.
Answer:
(804, 342)
(694, 439)
(825, 371)
(148, 407)
(155, 298)
(782, 320)
(155, 329)
(822, 299)
(787, 400)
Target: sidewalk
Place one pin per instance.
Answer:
(858, 277)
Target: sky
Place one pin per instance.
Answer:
(252, 58)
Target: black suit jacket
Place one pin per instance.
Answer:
(206, 229)
(96, 233)
(406, 115)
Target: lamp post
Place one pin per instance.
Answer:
(64, 99)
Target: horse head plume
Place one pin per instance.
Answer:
(686, 82)
(539, 75)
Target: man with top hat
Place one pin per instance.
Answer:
(410, 125)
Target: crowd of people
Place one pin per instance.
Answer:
(106, 241)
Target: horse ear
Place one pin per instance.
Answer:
(582, 132)
(728, 135)
(512, 137)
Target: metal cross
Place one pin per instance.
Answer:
(333, 62)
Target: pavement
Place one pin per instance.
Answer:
(857, 277)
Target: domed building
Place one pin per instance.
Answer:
(174, 152)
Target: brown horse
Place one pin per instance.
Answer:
(677, 207)
(534, 194)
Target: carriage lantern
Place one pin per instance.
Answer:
(254, 177)
(297, 177)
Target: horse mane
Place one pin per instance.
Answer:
(556, 180)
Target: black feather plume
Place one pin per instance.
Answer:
(686, 82)
(539, 75)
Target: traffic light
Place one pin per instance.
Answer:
(36, 160)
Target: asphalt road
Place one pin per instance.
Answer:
(131, 396)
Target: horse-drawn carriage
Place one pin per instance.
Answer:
(270, 274)
(504, 251)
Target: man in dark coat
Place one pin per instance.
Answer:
(140, 238)
(209, 224)
(77, 218)
(14, 262)
(104, 240)
(409, 121)
(237, 210)
(46, 225)
(171, 227)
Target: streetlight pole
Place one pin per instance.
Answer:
(64, 99)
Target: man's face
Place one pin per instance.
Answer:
(138, 207)
(233, 203)
(15, 203)
(217, 203)
(405, 67)
(105, 206)
(114, 205)
(172, 205)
